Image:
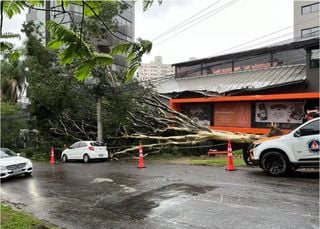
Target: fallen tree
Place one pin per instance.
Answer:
(162, 126)
(145, 118)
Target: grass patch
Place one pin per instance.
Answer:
(164, 157)
(192, 160)
(220, 160)
(217, 161)
(9, 109)
(14, 219)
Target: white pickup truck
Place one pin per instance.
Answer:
(279, 155)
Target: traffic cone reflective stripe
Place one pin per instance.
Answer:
(52, 160)
(230, 166)
(141, 160)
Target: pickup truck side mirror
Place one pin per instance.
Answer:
(297, 134)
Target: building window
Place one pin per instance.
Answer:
(310, 32)
(310, 8)
(289, 57)
(314, 58)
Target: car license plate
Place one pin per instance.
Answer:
(16, 171)
(100, 155)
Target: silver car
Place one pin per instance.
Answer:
(12, 164)
(86, 151)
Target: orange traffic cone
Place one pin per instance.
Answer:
(52, 160)
(230, 166)
(141, 161)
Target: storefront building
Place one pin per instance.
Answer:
(247, 91)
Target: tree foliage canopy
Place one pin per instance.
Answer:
(74, 50)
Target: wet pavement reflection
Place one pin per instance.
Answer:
(118, 195)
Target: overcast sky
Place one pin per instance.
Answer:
(226, 24)
(243, 21)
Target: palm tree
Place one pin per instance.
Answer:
(12, 79)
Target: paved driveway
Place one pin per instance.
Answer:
(118, 195)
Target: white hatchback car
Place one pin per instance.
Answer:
(86, 151)
(12, 164)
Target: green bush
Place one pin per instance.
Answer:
(29, 153)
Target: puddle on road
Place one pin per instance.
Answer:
(100, 180)
(147, 203)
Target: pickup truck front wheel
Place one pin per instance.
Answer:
(275, 163)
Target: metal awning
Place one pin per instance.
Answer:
(245, 80)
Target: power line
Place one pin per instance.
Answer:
(266, 35)
(181, 23)
(252, 45)
(211, 13)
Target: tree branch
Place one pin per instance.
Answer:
(104, 24)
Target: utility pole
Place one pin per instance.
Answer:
(99, 120)
(92, 83)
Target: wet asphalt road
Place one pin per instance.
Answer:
(118, 195)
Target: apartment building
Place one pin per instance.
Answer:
(154, 69)
(306, 19)
(125, 28)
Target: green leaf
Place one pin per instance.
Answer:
(83, 70)
(12, 7)
(134, 52)
(130, 73)
(92, 8)
(14, 55)
(148, 3)
(102, 59)
(55, 44)
(69, 38)
(67, 56)
(5, 46)
(36, 2)
(74, 48)
(121, 48)
(61, 32)
(66, 3)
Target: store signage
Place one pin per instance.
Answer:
(279, 112)
(199, 113)
(232, 114)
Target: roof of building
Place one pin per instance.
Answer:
(302, 43)
(250, 80)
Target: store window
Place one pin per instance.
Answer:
(296, 56)
(188, 71)
(253, 62)
(314, 58)
(217, 67)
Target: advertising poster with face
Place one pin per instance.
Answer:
(199, 113)
(279, 112)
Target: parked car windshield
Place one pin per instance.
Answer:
(97, 144)
(6, 153)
